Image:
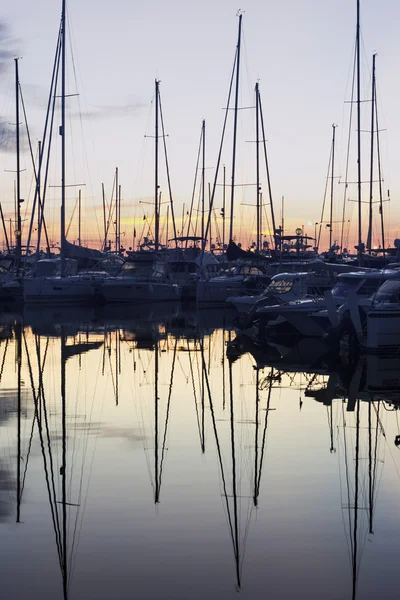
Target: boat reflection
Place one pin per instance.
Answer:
(58, 415)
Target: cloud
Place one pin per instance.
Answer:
(7, 136)
(7, 53)
(111, 111)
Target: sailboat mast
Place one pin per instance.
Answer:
(104, 216)
(62, 132)
(4, 228)
(79, 217)
(39, 215)
(64, 462)
(156, 215)
(255, 494)
(371, 172)
(359, 250)
(18, 198)
(234, 479)
(223, 209)
(355, 545)
(332, 175)
(203, 170)
(258, 168)
(19, 365)
(156, 476)
(116, 210)
(235, 127)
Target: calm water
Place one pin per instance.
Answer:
(138, 460)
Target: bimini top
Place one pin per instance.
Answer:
(187, 238)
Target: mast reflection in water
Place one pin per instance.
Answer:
(162, 457)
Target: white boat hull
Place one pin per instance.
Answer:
(63, 290)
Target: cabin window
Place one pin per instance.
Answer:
(369, 286)
(281, 286)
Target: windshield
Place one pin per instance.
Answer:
(280, 286)
(388, 293)
(344, 286)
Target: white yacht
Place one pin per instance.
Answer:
(315, 316)
(378, 323)
(135, 289)
(284, 287)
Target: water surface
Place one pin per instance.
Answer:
(140, 459)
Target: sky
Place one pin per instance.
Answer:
(301, 54)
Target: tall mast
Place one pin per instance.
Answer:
(119, 218)
(235, 538)
(166, 233)
(203, 169)
(156, 425)
(116, 210)
(359, 250)
(258, 169)
(104, 216)
(18, 197)
(371, 172)
(235, 127)
(63, 469)
(156, 215)
(39, 215)
(223, 209)
(19, 365)
(62, 132)
(79, 218)
(332, 174)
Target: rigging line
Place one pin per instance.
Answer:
(220, 149)
(53, 505)
(111, 371)
(49, 103)
(267, 167)
(235, 507)
(51, 110)
(370, 483)
(338, 443)
(355, 570)
(217, 444)
(194, 190)
(72, 216)
(156, 399)
(75, 542)
(111, 208)
(3, 359)
(325, 196)
(82, 129)
(194, 389)
(256, 437)
(167, 168)
(29, 143)
(264, 433)
(43, 398)
(375, 451)
(198, 210)
(348, 150)
(167, 415)
(347, 477)
(27, 456)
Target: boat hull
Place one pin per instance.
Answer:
(59, 290)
